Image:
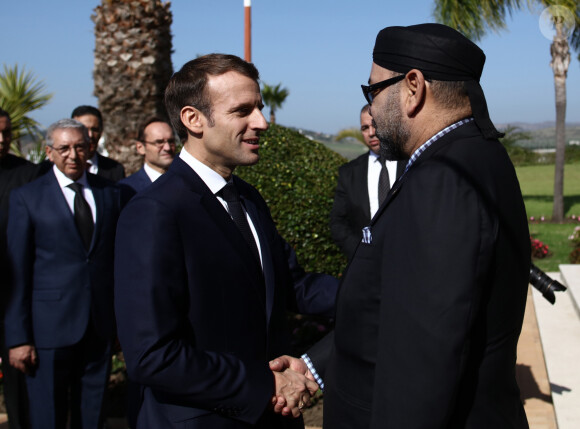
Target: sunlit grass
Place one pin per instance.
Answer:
(537, 183)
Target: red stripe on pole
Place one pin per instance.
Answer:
(248, 34)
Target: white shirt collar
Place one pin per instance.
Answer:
(214, 181)
(152, 173)
(64, 181)
(94, 160)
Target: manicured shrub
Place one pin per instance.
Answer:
(297, 176)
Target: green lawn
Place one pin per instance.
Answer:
(537, 183)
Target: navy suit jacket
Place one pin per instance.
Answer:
(57, 284)
(134, 183)
(198, 318)
(110, 169)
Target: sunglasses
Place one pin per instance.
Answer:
(371, 91)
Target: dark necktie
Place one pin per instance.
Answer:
(231, 195)
(83, 215)
(384, 182)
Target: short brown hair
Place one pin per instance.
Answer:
(150, 120)
(187, 87)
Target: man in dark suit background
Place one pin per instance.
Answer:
(156, 143)
(100, 165)
(357, 196)
(59, 315)
(202, 277)
(431, 306)
(14, 172)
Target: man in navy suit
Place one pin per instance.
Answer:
(156, 142)
(357, 197)
(202, 277)
(59, 315)
(14, 172)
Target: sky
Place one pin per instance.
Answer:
(320, 50)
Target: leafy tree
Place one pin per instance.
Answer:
(513, 134)
(475, 17)
(20, 94)
(274, 97)
(518, 155)
(132, 67)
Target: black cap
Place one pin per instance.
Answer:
(440, 53)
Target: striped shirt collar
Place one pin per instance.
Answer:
(433, 139)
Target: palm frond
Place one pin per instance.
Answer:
(20, 94)
(354, 133)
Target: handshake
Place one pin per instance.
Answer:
(294, 385)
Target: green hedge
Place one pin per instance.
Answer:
(297, 176)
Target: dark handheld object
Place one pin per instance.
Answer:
(545, 284)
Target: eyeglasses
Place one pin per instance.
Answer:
(160, 143)
(371, 91)
(65, 150)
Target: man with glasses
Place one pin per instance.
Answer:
(156, 143)
(59, 315)
(431, 306)
(363, 184)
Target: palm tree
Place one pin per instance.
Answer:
(354, 133)
(20, 94)
(274, 97)
(132, 67)
(474, 17)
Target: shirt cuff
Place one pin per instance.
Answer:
(310, 366)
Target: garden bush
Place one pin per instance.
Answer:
(575, 241)
(297, 176)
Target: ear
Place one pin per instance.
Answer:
(48, 151)
(192, 119)
(140, 147)
(415, 92)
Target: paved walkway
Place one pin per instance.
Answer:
(548, 358)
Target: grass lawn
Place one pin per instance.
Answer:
(537, 183)
(556, 237)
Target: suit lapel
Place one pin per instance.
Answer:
(267, 265)
(98, 195)
(217, 213)
(62, 209)
(362, 185)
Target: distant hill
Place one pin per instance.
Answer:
(543, 136)
(527, 126)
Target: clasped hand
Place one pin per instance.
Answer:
(294, 385)
(23, 358)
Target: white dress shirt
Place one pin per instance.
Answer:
(215, 182)
(93, 164)
(69, 194)
(374, 172)
(153, 174)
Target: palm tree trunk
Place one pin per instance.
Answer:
(272, 116)
(132, 67)
(560, 62)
